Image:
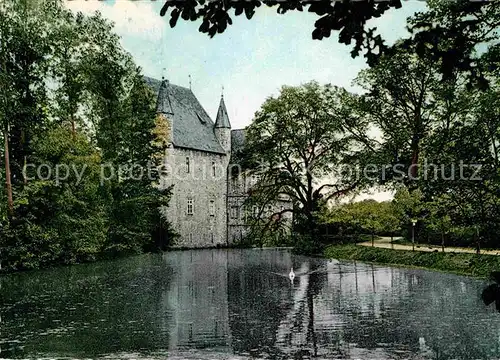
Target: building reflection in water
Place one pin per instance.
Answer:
(197, 299)
(243, 301)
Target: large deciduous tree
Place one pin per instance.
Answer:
(298, 143)
(406, 100)
(468, 147)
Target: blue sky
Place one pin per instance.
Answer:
(252, 59)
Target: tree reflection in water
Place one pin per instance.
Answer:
(231, 302)
(492, 292)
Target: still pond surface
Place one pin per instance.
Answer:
(240, 304)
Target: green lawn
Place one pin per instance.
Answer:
(460, 263)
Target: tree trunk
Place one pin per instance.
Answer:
(392, 240)
(373, 240)
(8, 183)
(413, 173)
(8, 180)
(478, 242)
(73, 126)
(413, 237)
(311, 334)
(442, 241)
(73, 129)
(25, 178)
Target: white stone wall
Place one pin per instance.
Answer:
(238, 187)
(224, 137)
(228, 223)
(201, 228)
(197, 315)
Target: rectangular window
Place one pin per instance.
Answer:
(234, 212)
(213, 168)
(191, 237)
(255, 210)
(190, 207)
(188, 165)
(212, 235)
(211, 208)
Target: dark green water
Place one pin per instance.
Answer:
(234, 304)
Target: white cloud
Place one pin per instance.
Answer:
(131, 18)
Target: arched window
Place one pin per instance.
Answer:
(234, 212)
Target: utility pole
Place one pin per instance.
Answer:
(413, 222)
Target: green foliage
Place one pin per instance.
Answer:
(435, 132)
(364, 217)
(57, 221)
(136, 195)
(408, 204)
(301, 136)
(306, 245)
(96, 111)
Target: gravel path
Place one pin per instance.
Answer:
(385, 242)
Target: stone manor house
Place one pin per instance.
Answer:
(206, 208)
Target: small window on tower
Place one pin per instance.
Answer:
(188, 165)
(213, 169)
(234, 212)
(190, 207)
(211, 208)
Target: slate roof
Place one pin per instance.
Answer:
(222, 120)
(193, 128)
(163, 104)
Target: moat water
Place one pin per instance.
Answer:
(240, 304)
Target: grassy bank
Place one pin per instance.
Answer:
(460, 263)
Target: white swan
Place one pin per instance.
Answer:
(301, 272)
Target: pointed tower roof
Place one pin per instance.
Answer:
(222, 120)
(164, 105)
